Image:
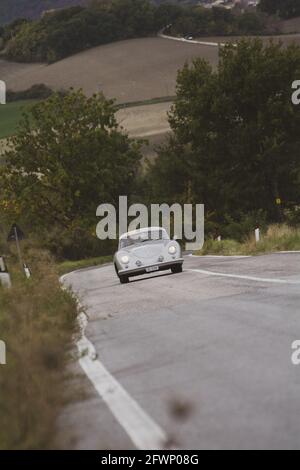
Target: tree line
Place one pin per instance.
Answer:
(64, 32)
(283, 8)
(234, 147)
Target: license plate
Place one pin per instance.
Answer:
(151, 269)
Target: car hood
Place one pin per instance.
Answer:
(147, 249)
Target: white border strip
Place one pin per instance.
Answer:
(249, 278)
(142, 430)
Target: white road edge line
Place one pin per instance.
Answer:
(140, 427)
(249, 278)
(219, 256)
(244, 256)
(287, 252)
(193, 41)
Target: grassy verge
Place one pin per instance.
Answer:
(10, 115)
(37, 323)
(68, 266)
(276, 238)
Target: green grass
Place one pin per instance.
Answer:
(68, 266)
(10, 115)
(276, 238)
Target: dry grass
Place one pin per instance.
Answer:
(145, 121)
(276, 238)
(37, 321)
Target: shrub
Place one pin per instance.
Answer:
(38, 91)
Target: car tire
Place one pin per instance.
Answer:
(124, 279)
(177, 268)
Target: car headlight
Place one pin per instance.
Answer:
(125, 259)
(172, 249)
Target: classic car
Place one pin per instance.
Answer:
(146, 250)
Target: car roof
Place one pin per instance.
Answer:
(140, 230)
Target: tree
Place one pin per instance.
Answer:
(284, 8)
(67, 157)
(236, 132)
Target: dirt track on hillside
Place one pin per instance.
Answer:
(145, 121)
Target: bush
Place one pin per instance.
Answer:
(292, 216)
(274, 238)
(76, 244)
(36, 92)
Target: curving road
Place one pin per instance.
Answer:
(195, 360)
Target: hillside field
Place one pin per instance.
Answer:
(10, 115)
(131, 70)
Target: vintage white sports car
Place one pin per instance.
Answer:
(145, 251)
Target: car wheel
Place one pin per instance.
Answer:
(177, 268)
(124, 279)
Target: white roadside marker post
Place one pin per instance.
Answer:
(257, 235)
(4, 274)
(2, 92)
(27, 271)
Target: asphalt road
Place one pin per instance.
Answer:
(206, 357)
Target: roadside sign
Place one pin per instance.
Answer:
(15, 234)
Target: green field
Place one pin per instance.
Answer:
(10, 115)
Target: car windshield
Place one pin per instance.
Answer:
(142, 237)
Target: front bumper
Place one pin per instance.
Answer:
(143, 269)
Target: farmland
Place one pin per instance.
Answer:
(10, 115)
(130, 70)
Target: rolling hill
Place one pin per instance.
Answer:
(131, 70)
